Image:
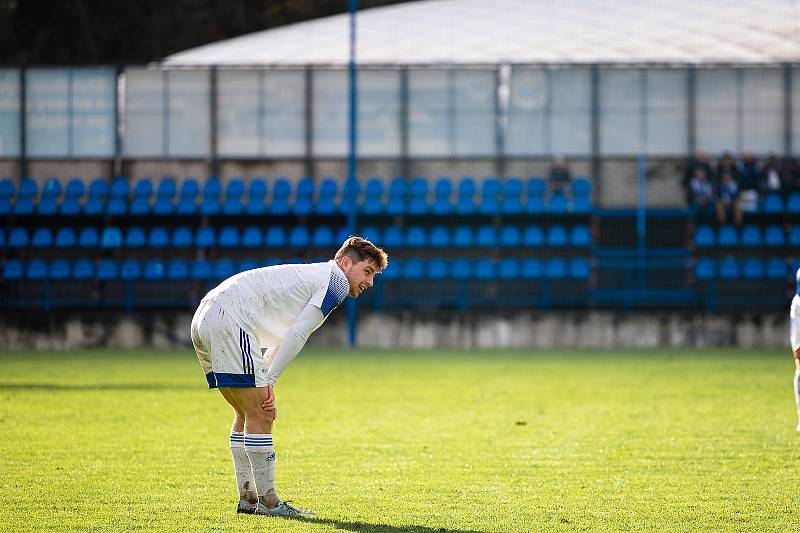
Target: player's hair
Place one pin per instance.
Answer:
(360, 249)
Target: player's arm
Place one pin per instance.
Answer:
(794, 329)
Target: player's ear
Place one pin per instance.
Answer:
(345, 262)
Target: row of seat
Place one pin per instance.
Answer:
(413, 268)
(461, 236)
(750, 236)
(401, 197)
(748, 268)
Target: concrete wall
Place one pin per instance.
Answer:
(414, 330)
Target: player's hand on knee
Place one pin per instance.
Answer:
(797, 354)
(269, 403)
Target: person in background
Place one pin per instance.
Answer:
(702, 192)
(728, 199)
(560, 179)
(771, 176)
(749, 173)
(728, 165)
(700, 160)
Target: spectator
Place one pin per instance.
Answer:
(749, 172)
(771, 179)
(702, 193)
(728, 204)
(727, 165)
(700, 160)
(791, 174)
(560, 178)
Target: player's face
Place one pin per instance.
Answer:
(361, 275)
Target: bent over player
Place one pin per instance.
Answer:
(276, 309)
(794, 340)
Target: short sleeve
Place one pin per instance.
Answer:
(329, 295)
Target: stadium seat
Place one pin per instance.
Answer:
(531, 268)
(729, 268)
(579, 268)
(373, 197)
(118, 194)
(252, 237)
(247, 264)
(256, 197)
(177, 269)
(776, 268)
(299, 237)
(7, 188)
(753, 268)
(580, 236)
(73, 193)
(465, 203)
(484, 269)
(341, 235)
(557, 204)
(59, 270)
(88, 238)
(182, 237)
(350, 195)
(130, 270)
(304, 197)
(393, 270)
(463, 237)
(705, 268)
(280, 197)
(490, 190)
(486, 236)
(557, 236)
(510, 236)
(107, 269)
(794, 235)
(135, 237)
(18, 238)
(201, 269)
(728, 236)
(205, 237)
(159, 237)
(581, 195)
(36, 269)
(65, 238)
(187, 198)
(773, 236)
(793, 204)
(416, 237)
(461, 268)
(142, 195)
(533, 236)
(413, 268)
(96, 197)
(751, 236)
(111, 237)
(165, 197)
(393, 237)
(395, 203)
(13, 269)
(555, 268)
(229, 237)
(704, 236)
(535, 200)
(438, 269)
(512, 196)
(418, 200)
(42, 238)
(773, 204)
(83, 269)
(28, 190)
(212, 189)
(322, 236)
(234, 192)
(49, 199)
(371, 233)
(154, 270)
(276, 237)
(442, 192)
(508, 268)
(326, 203)
(440, 237)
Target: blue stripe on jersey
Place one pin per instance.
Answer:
(249, 355)
(338, 287)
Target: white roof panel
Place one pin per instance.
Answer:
(527, 31)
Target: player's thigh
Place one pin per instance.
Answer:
(247, 400)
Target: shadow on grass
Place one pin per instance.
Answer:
(51, 387)
(377, 528)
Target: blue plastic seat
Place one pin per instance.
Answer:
(373, 197)
(793, 204)
(555, 268)
(304, 197)
(393, 237)
(371, 233)
(280, 197)
(490, 191)
(182, 237)
(440, 237)
(508, 268)
(247, 264)
(111, 237)
(13, 269)
(234, 192)
(187, 198)
(557, 204)
(393, 270)
(165, 197)
(159, 237)
(118, 193)
(201, 269)
(96, 197)
(773, 204)
(580, 236)
(396, 201)
(753, 268)
(465, 202)
(774, 236)
(416, 237)
(484, 269)
(88, 238)
(135, 237)
(535, 196)
(729, 268)
(442, 192)
(704, 236)
(299, 237)
(510, 236)
(418, 201)
(7, 188)
(276, 237)
(461, 268)
(83, 269)
(73, 194)
(107, 270)
(65, 238)
(581, 195)
(18, 238)
(59, 270)
(256, 197)
(557, 236)
(36, 269)
(42, 238)
(154, 269)
(705, 268)
(438, 269)
(25, 196)
(322, 236)
(130, 270)
(350, 195)
(49, 199)
(776, 268)
(413, 268)
(751, 236)
(326, 203)
(342, 234)
(177, 269)
(533, 236)
(229, 237)
(142, 195)
(728, 236)
(794, 235)
(463, 237)
(252, 237)
(486, 236)
(205, 237)
(579, 268)
(210, 204)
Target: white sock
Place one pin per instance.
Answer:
(241, 465)
(262, 460)
(796, 384)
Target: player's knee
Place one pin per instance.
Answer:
(257, 413)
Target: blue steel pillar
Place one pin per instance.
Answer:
(351, 158)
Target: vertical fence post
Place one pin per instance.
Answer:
(787, 110)
(23, 123)
(213, 109)
(641, 174)
(308, 116)
(352, 147)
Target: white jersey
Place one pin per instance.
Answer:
(266, 302)
(794, 327)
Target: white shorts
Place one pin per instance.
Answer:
(225, 351)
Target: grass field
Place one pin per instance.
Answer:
(409, 442)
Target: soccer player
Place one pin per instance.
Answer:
(794, 339)
(273, 309)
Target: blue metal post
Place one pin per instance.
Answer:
(641, 174)
(351, 158)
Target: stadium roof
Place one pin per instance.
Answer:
(528, 31)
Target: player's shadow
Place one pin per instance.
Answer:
(56, 387)
(377, 528)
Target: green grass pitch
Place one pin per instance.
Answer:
(397, 441)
